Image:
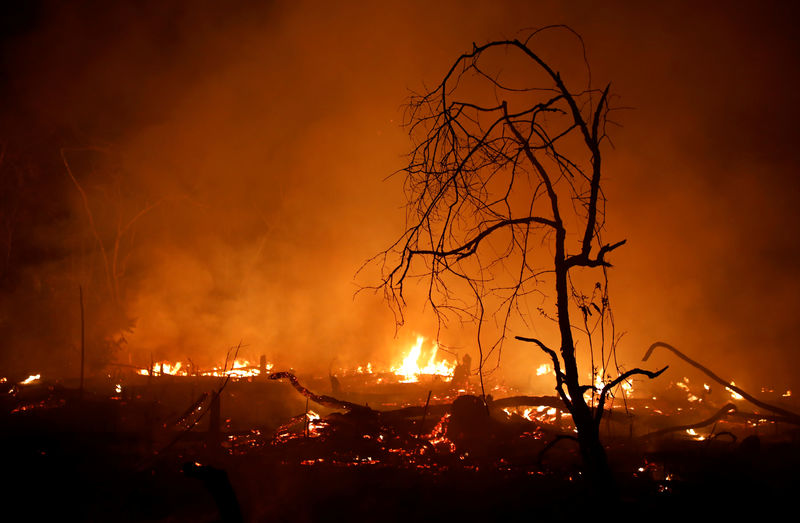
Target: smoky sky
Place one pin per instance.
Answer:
(258, 137)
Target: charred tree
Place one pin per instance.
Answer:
(504, 200)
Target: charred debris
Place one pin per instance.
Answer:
(272, 447)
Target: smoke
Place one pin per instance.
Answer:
(257, 140)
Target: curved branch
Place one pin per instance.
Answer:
(725, 411)
(327, 401)
(471, 246)
(726, 384)
(556, 367)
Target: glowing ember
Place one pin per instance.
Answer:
(413, 367)
(364, 370)
(787, 394)
(33, 378)
(683, 385)
(118, 388)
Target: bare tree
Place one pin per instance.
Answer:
(504, 196)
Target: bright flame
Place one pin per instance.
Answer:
(695, 435)
(118, 388)
(33, 378)
(598, 380)
(787, 394)
(239, 369)
(411, 369)
(165, 367)
(543, 369)
(734, 395)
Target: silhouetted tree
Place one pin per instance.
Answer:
(504, 195)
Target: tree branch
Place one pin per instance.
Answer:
(556, 367)
(608, 387)
(726, 384)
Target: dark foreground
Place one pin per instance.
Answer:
(99, 459)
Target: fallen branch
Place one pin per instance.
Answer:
(727, 384)
(326, 401)
(725, 411)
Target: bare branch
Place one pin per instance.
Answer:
(556, 368)
(608, 387)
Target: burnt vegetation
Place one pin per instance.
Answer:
(506, 208)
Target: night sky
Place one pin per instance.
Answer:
(262, 138)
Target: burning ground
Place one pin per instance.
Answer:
(180, 443)
(179, 176)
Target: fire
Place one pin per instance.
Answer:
(543, 369)
(598, 378)
(734, 395)
(239, 369)
(165, 367)
(410, 370)
(695, 435)
(33, 378)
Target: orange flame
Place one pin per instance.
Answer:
(410, 370)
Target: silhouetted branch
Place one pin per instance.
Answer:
(556, 367)
(608, 387)
(725, 411)
(326, 401)
(726, 384)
